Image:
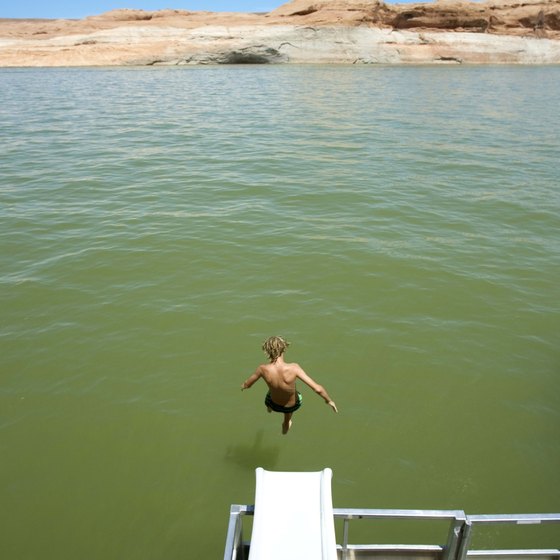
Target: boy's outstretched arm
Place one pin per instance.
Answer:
(252, 379)
(319, 389)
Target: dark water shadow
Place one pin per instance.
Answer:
(256, 454)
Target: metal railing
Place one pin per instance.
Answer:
(504, 519)
(457, 546)
(456, 519)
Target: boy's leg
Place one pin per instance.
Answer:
(287, 424)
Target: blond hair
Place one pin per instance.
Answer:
(275, 346)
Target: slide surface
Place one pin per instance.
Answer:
(293, 516)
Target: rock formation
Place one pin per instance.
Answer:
(301, 31)
(503, 17)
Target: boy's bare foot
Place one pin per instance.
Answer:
(286, 428)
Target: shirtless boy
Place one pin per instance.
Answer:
(280, 377)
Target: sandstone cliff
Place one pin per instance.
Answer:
(523, 18)
(331, 31)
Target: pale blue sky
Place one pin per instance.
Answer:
(83, 8)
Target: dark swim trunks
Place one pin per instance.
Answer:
(285, 409)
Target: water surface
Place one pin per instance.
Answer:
(399, 225)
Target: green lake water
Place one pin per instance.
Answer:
(399, 225)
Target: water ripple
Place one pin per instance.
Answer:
(400, 225)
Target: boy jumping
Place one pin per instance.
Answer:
(280, 377)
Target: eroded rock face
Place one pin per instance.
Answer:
(507, 17)
(301, 31)
(256, 54)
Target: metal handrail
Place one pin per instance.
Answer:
(457, 520)
(456, 548)
(517, 519)
(430, 514)
(234, 539)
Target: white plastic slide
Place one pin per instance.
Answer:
(293, 516)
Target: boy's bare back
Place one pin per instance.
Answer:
(281, 380)
(281, 377)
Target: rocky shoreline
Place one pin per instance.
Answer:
(301, 31)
